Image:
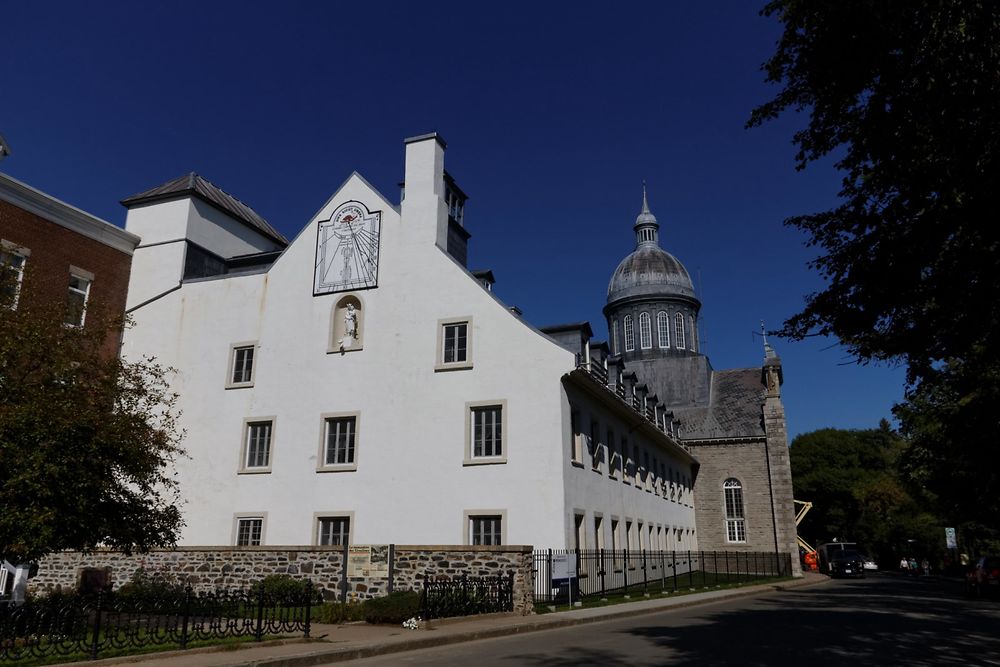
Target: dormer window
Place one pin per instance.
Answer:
(454, 198)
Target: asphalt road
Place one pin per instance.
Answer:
(880, 620)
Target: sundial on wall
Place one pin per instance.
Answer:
(347, 249)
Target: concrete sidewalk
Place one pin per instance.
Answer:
(337, 643)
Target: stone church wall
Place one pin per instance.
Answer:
(211, 568)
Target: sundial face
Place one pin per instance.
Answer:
(347, 249)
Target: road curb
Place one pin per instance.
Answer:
(329, 655)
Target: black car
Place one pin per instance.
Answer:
(847, 564)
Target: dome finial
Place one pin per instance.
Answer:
(645, 204)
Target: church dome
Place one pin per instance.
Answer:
(649, 270)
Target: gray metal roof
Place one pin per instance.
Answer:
(734, 410)
(193, 184)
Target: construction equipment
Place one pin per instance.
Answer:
(809, 558)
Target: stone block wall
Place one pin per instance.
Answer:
(211, 568)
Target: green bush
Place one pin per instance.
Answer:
(394, 608)
(336, 612)
(282, 587)
(152, 585)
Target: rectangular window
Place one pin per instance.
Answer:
(576, 437)
(340, 434)
(598, 532)
(76, 302)
(629, 536)
(580, 532)
(636, 472)
(595, 445)
(242, 372)
(454, 344)
(257, 445)
(11, 274)
(334, 530)
(613, 459)
(486, 530)
(249, 531)
(486, 436)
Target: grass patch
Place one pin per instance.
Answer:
(636, 593)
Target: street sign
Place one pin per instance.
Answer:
(949, 537)
(563, 566)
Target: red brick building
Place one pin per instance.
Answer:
(56, 252)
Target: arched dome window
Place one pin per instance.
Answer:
(736, 530)
(629, 334)
(679, 330)
(663, 329)
(645, 332)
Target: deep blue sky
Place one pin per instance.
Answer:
(554, 114)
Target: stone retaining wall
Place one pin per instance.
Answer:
(210, 568)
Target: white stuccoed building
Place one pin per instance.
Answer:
(358, 384)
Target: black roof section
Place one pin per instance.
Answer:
(193, 184)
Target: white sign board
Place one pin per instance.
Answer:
(949, 537)
(563, 566)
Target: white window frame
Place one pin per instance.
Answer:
(463, 364)
(234, 349)
(734, 510)
(14, 250)
(243, 517)
(679, 330)
(470, 456)
(629, 334)
(248, 424)
(663, 329)
(320, 517)
(645, 332)
(324, 429)
(470, 516)
(76, 273)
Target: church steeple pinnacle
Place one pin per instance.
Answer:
(647, 229)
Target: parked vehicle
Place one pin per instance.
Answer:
(847, 564)
(826, 552)
(869, 564)
(983, 578)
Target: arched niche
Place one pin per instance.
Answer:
(347, 324)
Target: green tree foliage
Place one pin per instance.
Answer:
(905, 98)
(86, 440)
(858, 494)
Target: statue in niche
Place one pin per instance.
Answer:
(350, 326)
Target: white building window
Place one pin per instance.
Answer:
(629, 334)
(249, 531)
(598, 532)
(735, 521)
(340, 433)
(486, 424)
(454, 344)
(484, 528)
(613, 459)
(663, 329)
(576, 437)
(580, 532)
(242, 363)
(679, 331)
(595, 445)
(645, 332)
(12, 261)
(76, 300)
(333, 530)
(258, 434)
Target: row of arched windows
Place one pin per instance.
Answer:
(683, 332)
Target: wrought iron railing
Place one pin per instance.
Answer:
(604, 571)
(467, 596)
(85, 627)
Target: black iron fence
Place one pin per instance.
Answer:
(78, 627)
(467, 596)
(603, 571)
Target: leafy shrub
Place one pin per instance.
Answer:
(151, 585)
(336, 612)
(393, 609)
(281, 587)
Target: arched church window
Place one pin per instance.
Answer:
(629, 334)
(663, 329)
(736, 530)
(694, 334)
(645, 332)
(679, 331)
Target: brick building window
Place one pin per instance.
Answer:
(76, 302)
(736, 530)
(12, 262)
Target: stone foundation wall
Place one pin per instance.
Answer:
(211, 568)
